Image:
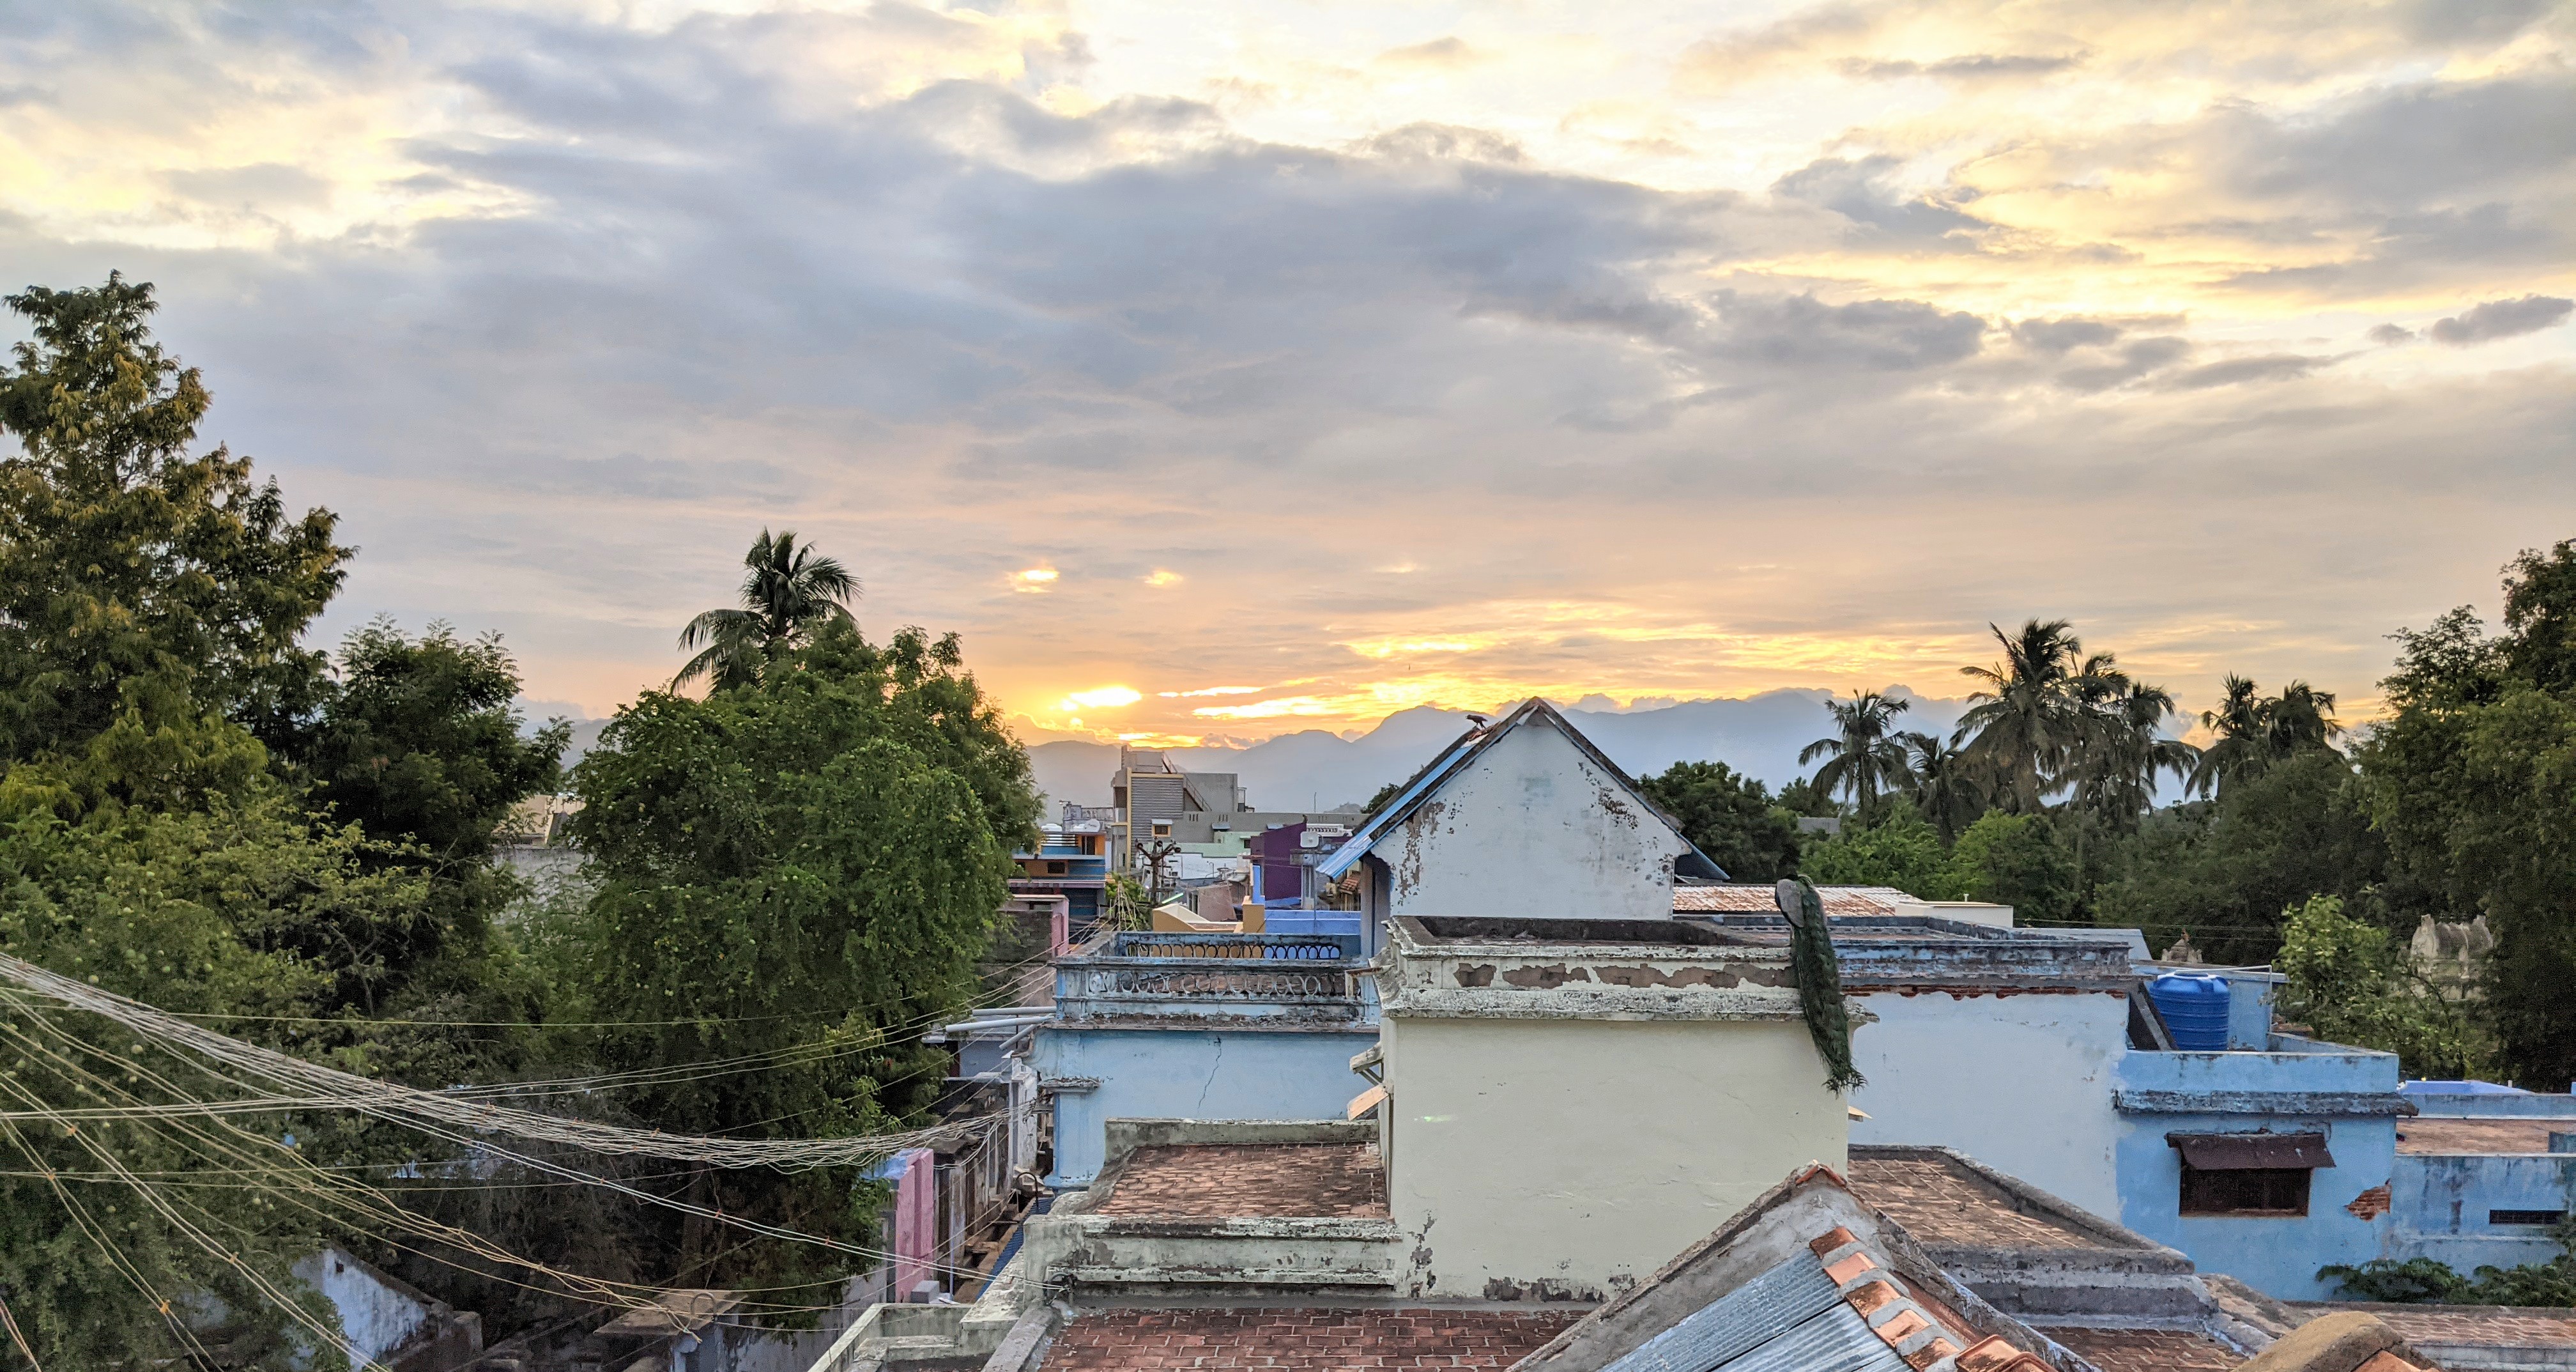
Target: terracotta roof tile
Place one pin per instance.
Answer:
(1292, 1340)
(1248, 1180)
(2544, 1328)
(1947, 1206)
(1758, 900)
(2148, 1350)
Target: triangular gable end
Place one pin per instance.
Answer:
(1455, 760)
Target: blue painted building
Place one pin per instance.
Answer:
(1201, 1026)
(1072, 861)
(2265, 1161)
(2483, 1171)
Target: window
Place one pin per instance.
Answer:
(2245, 1191)
(2525, 1216)
(1055, 869)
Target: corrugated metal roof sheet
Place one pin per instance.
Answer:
(1740, 1321)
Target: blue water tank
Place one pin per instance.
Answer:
(2194, 1010)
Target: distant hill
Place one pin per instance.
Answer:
(1758, 735)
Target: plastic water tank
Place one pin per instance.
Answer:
(2194, 1010)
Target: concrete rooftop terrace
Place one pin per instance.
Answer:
(1301, 1339)
(1250, 1181)
(2479, 1136)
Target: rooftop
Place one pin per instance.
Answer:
(2148, 1350)
(1749, 899)
(2472, 1336)
(2479, 1136)
(1250, 1180)
(1941, 1202)
(1301, 1340)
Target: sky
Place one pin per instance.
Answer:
(1219, 370)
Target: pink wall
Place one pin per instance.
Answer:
(916, 1222)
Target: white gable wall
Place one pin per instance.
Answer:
(1532, 827)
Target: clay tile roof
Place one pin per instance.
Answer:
(2148, 1350)
(1302, 1340)
(1250, 1180)
(1758, 900)
(1992, 1354)
(1947, 1206)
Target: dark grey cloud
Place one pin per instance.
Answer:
(2390, 335)
(1862, 191)
(2141, 357)
(2501, 319)
(2449, 22)
(2241, 370)
(2057, 336)
(1874, 335)
(2406, 149)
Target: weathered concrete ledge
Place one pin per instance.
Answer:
(1074, 1249)
(2103, 1271)
(1467, 968)
(2131, 1101)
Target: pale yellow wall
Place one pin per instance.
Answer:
(1585, 1153)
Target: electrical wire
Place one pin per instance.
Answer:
(325, 1087)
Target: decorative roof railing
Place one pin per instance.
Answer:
(1280, 979)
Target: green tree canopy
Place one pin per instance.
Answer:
(2014, 860)
(2473, 784)
(1730, 817)
(1901, 851)
(1862, 757)
(142, 589)
(809, 863)
(2352, 983)
(2224, 870)
(788, 595)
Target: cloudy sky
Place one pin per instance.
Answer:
(1219, 369)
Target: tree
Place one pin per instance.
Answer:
(1943, 785)
(807, 863)
(2253, 731)
(2473, 784)
(141, 589)
(2013, 860)
(2353, 983)
(2223, 871)
(420, 745)
(1803, 797)
(2029, 710)
(788, 596)
(1901, 851)
(1862, 759)
(2540, 617)
(2123, 751)
(1729, 817)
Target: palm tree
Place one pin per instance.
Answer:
(2030, 714)
(788, 595)
(1864, 759)
(2300, 719)
(2115, 767)
(2254, 731)
(2239, 747)
(1943, 784)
